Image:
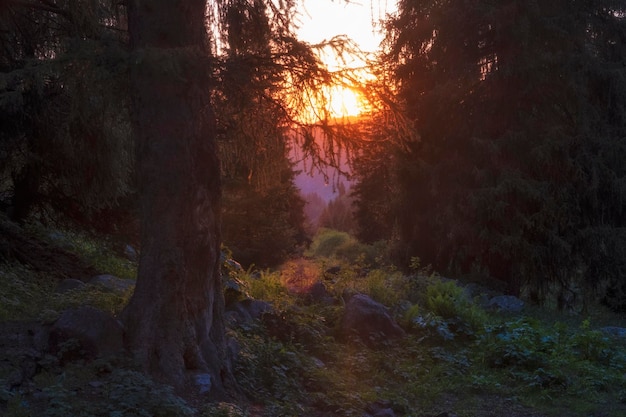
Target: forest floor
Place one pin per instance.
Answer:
(536, 364)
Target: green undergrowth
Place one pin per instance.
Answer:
(29, 295)
(111, 387)
(97, 253)
(456, 356)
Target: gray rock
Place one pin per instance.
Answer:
(614, 331)
(69, 285)
(131, 253)
(21, 349)
(369, 320)
(384, 412)
(506, 303)
(248, 310)
(203, 382)
(95, 332)
(333, 270)
(233, 265)
(112, 283)
(234, 290)
(381, 408)
(318, 294)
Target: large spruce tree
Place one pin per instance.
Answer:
(519, 106)
(174, 320)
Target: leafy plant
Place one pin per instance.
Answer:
(120, 391)
(448, 300)
(268, 287)
(271, 372)
(327, 242)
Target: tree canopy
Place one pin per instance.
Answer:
(519, 108)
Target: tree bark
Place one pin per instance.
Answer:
(174, 320)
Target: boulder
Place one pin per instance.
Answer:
(614, 331)
(233, 265)
(318, 294)
(234, 290)
(380, 409)
(333, 270)
(506, 304)
(69, 285)
(369, 320)
(203, 382)
(22, 345)
(247, 310)
(131, 253)
(86, 332)
(112, 283)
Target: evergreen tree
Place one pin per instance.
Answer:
(263, 219)
(518, 106)
(65, 135)
(338, 213)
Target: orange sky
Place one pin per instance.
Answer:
(324, 19)
(321, 20)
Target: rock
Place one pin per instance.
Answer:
(112, 283)
(202, 382)
(318, 363)
(69, 285)
(22, 345)
(233, 265)
(333, 270)
(131, 253)
(614, 331)
(86, 332)
(380, 409)
(318, 294)
(506, 303)
(384, 412)
(369, 320)
(247, 310)
(234, 290)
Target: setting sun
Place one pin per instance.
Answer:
(344, 102)
(321, 21)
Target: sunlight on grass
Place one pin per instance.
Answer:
(291, 363)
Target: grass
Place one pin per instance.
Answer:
(27, 295)
(456, 357)
(95, 252)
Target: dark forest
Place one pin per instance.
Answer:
(158, 258)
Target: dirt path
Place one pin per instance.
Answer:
(299, 274)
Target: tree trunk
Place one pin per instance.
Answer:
(174, 321)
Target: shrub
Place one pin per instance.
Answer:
(268, 287)
(327, 242)
(388, 288)
(448, 300)
(330, 243)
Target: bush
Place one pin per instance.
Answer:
(327, 242)
(268, 287)
(448, 300)
(388, 288)
(330, 243)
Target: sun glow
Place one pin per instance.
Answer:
(322, 21)
(344, 102)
